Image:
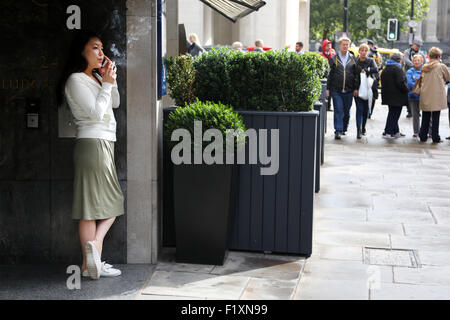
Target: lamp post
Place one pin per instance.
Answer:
(411, 30)
(346, 16)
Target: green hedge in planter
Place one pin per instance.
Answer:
(315, 62)
(212, 116)
(181, 78)
(271, 81)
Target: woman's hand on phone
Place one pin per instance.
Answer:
(110, 72)
(103, 69)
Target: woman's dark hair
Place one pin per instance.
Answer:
(75, 61)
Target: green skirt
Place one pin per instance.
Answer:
(96, 191)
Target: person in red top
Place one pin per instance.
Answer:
(328, 53)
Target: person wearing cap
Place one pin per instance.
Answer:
(411, 52)
(374, 53)
(394, 93)
(408, 57)
(328, 53)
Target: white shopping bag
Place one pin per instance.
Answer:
(363, 93)
(370, 81)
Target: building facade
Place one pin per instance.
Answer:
(278, 24)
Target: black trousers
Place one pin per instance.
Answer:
(423, 134)
(392, 120)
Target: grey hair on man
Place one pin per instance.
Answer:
(397, 56)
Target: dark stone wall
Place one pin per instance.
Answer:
(36, 169)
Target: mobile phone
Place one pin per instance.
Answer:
(104, 62)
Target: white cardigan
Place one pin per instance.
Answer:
(91, 106)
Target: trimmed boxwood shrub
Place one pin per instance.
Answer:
(317, 63)
(181, 78)
(272, 81)
(212, 115)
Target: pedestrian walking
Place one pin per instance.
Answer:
(195, 48)
(342, 85)
(89, 87)
(366, 66)
(408, 63)
(433, 95)
(374, 54)
(328, 53)
(394, 93)
(412, 75)
(448, 105)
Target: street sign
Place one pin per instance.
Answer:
(413, 24)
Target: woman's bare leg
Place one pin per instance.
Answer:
(103, 227)
(86, 230)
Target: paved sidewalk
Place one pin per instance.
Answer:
(387, 194)
(376, 194)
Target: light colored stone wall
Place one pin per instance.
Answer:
(143, 131)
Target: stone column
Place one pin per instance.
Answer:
(431, 22)
(289, 23)
(303, 33)
(143, 126)
(172, 27)
(208, 26)
(443, 33)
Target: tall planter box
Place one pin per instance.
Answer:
(323, 98)
(201, 206)
(275, 213)
(321, 108)
(168, 223)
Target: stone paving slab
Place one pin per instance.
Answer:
(260, 268)
(426, 275)
(395, 291)
(351, 239)
(269, 289)
(329, 289)
(337, 252)
(441, 214)
(434, 258)
(200, 285)
(421, 243)
(400, 216)
(352, 214)
(356, 226)
(440, 231)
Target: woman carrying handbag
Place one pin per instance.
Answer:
(368, 70)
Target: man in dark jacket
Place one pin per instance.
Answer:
(342, 85)
(394, 93)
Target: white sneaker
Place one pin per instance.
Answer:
(107, 270)
(85, 273)
(93, 263)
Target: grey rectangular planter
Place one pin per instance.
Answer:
(324, 100)
(275, 213)
(321, 108)
(268, 213)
